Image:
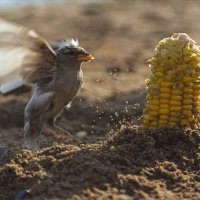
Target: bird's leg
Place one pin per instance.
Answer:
(31, 136)
(61, 130)
(59, 133)
(34, 117)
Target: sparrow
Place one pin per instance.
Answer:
(54, 73)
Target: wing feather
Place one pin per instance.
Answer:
(24, 57)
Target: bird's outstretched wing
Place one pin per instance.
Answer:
(24, 57)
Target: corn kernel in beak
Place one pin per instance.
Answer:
(85, 58)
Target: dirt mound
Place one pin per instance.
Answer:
(130, 163)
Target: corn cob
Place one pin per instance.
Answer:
(173, 97)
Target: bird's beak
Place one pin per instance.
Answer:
(85, 57)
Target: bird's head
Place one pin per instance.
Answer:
(69, 50)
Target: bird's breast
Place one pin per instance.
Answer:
(65, 91)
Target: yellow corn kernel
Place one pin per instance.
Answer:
(196, 98)
(189, 84)
(169, 78)
(176, 97)
(153, 107)
(164, 106)
(173, 119)
(187, 113)
(164, 101)
(165, 90)
(196, 92)
(176, 91)
(162, 122)
(174, 103)
(153, 97)
(172, 124)
(144, 110)
(187, 96)
(187, 79)
(187, 107)
(153, 113)
(160, 69)
(154, 102)
(163, 117)
(175, 108)
(154, 123)
(159, 74)
(185, 123)
(145, 121)
(165, 84)
(174, 114)
(163, 111)
(187, 102)
(196, 87)
(165, 95)
(188, 90)
(196, 109)
(196, 103)
(146, 116)
(191, 119)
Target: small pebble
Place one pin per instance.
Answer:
(113, 148)
(81, 134)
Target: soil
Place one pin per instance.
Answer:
(116, 159)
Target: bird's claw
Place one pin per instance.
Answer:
(61, 135)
